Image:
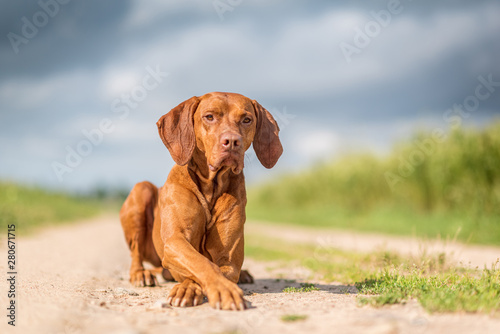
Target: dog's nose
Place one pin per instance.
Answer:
(230, 141)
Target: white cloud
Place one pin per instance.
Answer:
(143, 12)
(287, 59)
(32, 94)
(117, 80)
(134, 131)
(303, 57)
(411, 43)
(318, 143)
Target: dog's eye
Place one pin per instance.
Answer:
(209, 118)
(247, 120)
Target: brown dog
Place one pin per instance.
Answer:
(193, 225)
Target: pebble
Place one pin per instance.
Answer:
(122, 291)
(159, 304)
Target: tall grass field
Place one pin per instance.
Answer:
(435, 185)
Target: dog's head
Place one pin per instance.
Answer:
(222, 126)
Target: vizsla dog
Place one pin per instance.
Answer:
(191, 229)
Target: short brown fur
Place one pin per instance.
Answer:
(191, 229)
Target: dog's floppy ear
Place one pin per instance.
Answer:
(176, 130)
(266, 143)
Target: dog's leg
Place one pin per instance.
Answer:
(137, 215)
(245, 277)
(167, 276)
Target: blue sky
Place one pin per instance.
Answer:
(68, 68)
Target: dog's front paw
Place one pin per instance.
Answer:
(142, 278)
(225, 295)
(187, 293)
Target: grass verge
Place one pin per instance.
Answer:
(449, 291)
(293, 317)
(304, 287)
(31, 208)
(467, 228)
(422, 187)
(384, 278)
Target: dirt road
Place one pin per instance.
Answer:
(74, 279)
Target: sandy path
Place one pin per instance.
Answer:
(74, 279)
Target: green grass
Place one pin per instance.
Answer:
(293, 317)
(449, 291)
(304, 287)
(454, 190)
(388, 278)
(31, 208)
(331, 264)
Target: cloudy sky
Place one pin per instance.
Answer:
(337, 75)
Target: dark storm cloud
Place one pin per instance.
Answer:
(82, 34)
(286, 54)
